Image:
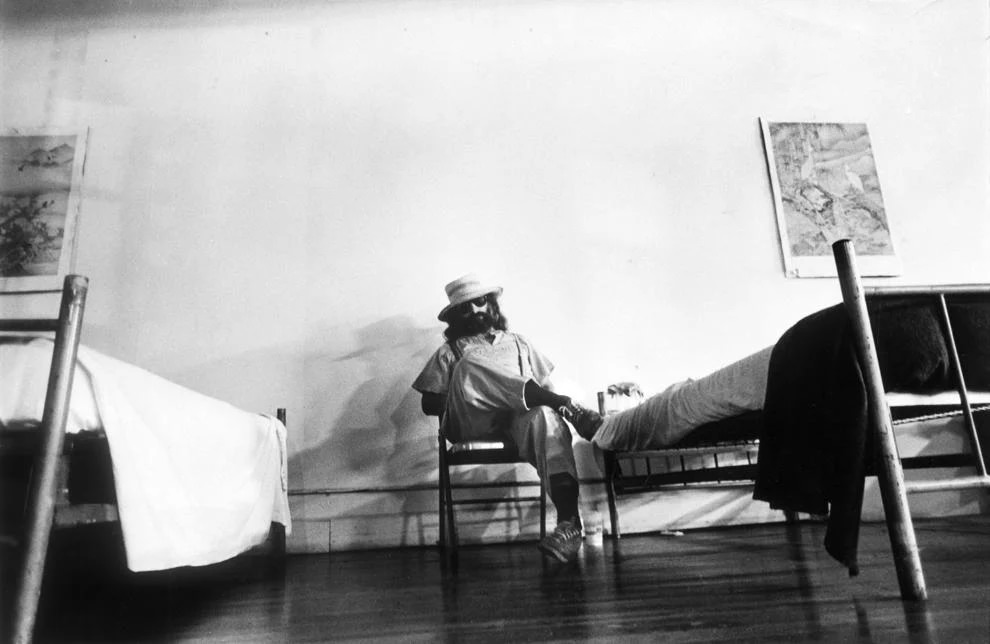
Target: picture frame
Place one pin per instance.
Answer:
(825, 186)
(41, 174)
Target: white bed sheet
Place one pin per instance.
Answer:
(198, 480)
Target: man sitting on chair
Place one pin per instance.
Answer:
(488, 383)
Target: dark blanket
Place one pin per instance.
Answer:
(817, 441)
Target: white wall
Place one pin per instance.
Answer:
(276, 193)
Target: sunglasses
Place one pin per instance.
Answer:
(478, 301)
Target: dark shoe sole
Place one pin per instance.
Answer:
(558, 555)
(550, 552)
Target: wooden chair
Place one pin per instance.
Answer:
(476, 453)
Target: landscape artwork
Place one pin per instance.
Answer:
(40, 177)
(826, 187)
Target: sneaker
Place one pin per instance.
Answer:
(563, 543)
(585, 421)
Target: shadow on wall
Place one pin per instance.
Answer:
(228, 380)
(378, 437)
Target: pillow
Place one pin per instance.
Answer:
(910, 346)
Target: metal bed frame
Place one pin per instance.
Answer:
(888, 468)
(893, 489)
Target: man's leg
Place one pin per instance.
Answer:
(481, 391)
(482, 395)
(564, 494)
(544, 440)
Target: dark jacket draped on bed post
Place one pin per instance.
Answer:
(814, 440)
(817, 443)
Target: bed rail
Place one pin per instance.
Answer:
(939, 293)
(42, 493)
(943, 289)
(35, 325)
(697, 464)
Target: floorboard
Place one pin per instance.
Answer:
(767, 583)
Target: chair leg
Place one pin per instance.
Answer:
(543, 509)
(442, 520)
(441, 499)
(449, 526)
(611, 470)
(452, 541)
(448, 531)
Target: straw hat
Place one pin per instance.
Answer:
(464, 289)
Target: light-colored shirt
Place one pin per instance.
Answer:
(485, 390)
(508, 349)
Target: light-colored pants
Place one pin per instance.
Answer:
(486, 401)
(667, 417)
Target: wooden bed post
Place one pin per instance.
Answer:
(889, 472)
(277, 529)
(42, 492)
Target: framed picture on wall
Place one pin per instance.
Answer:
(826, 187)
(40, 190)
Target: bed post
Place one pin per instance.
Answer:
(611, 471)
(277, 529)
(889, 472)
(41, 495)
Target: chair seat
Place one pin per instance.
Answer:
(474, 446)
(482, 453)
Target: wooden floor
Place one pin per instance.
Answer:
(770, 583)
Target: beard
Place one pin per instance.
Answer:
(477, 323)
